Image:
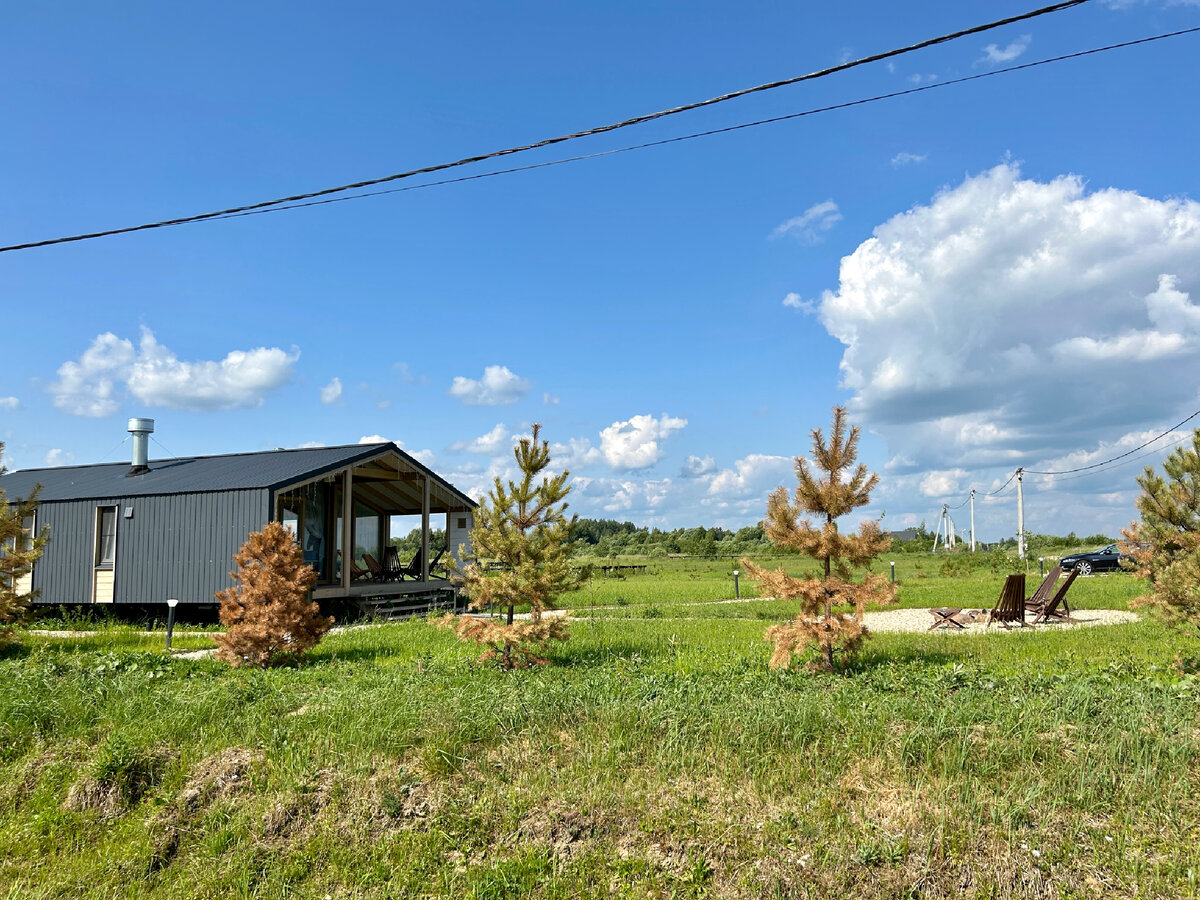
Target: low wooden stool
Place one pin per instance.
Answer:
(943, 617)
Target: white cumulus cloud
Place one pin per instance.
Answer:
(59, 457)
(908, 159)
(626, 497)
(332, 392)
(489, 444)
(811, 224)
(497, 387)
(756, 475)
(9, 403)
(942, 483)
(795, 301)
(428, 457)
(95, 384)
(637, 442)
(1011, 320)
(994, 54)
(573, 454)
(90, 385)
(695, 466)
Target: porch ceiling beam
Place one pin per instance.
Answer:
(384, 473)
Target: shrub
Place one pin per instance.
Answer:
(269, 614)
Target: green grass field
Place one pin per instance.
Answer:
(657, 757)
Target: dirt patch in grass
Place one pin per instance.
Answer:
(564, 831)
(23, 786)
(878, 800)
(289, 818)
(90, 794)
(215, 778)
(402, 799)
(117, 779)
(218, 776)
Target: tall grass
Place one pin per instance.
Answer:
(655, 757)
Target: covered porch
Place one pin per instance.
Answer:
(357, 507)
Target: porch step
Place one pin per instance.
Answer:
(404, 606)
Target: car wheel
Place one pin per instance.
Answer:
(1084, 567)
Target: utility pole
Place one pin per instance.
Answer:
(1020, 516)
(945, 530)
(972, 520)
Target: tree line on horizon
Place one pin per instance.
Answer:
(609, 537)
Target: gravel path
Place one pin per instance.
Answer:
(920, 619)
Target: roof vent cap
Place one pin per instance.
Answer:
(141, 429)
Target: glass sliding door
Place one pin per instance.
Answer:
(305, 512)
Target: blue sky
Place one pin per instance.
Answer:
(998, 274)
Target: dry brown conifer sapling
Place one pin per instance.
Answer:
(269, 614)
(828, 488)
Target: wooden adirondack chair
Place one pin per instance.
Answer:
(413, 569)
(357, 572)
(437, 558)
(391, 561)
(1010, 607)
(1049, 611)
(1045, 590)
(378, 572)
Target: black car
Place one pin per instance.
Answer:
(1106, 559)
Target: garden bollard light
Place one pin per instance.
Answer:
(736, 593)
(1041, 566)
(171, 604)
(893, 571)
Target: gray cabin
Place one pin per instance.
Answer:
(161, 529)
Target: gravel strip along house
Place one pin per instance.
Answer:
(146, 531)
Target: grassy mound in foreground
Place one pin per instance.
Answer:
(656, 758)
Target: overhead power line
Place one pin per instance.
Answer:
(702, 134)
(636, 120)
(1003, 486)
(1127, 462)
(1120, 456)
(1091, 468)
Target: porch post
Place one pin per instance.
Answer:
(425, 528)
(347, 527)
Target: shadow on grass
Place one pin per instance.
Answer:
(329, 656)
(14, 649)
(877, 658)
(611, 651)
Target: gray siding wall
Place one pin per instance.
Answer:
(460, 537)
(178, 545)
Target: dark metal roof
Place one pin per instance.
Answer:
(270, 469)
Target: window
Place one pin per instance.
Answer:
(106, 536)
(27, 525)
(367, 524)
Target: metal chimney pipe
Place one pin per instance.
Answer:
(141, 429)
